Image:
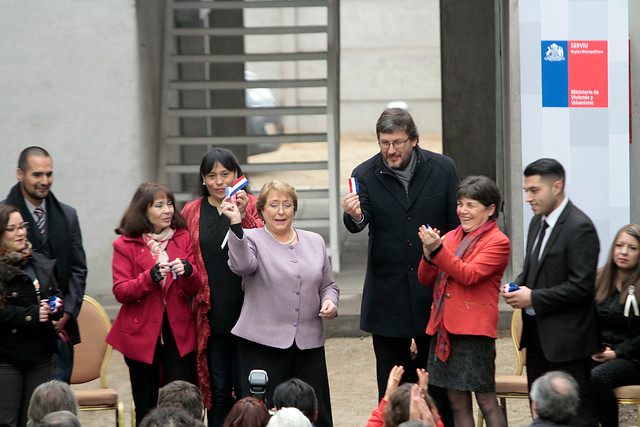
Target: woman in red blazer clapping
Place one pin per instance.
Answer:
(154, 278)
(465, 267)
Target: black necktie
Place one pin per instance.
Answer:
(535, 255)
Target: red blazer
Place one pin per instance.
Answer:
(471, 306)
(137, 326)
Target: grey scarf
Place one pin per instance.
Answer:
(405, 175)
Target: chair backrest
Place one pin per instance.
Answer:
(516, 333)
(91, 356)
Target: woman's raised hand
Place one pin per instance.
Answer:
(242, 200)
(231, 211)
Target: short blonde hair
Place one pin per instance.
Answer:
(279, 186)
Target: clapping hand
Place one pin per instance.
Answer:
(430, 238)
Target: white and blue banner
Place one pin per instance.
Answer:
(574, 79)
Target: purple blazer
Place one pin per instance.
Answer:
(284, 287)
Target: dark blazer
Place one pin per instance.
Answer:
(64, 244)
(394, 304)
(563, 290)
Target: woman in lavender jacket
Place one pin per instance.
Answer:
(289, 289)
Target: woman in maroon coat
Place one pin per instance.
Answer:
(220, 297)
(154, 278)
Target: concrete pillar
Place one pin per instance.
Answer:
(469, 97)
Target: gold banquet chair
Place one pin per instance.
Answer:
(512, 386)
(629, 394)
(90, 361)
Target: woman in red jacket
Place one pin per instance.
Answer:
(465, 267)
(154, 278)
(220, 297)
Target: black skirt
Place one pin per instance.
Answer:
(470, 366)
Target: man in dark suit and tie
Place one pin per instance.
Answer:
(54, 231)
(557, 284)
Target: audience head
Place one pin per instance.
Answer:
(152, 208)
(414, 423)
(60, 419)
(170, 416)
(50, 397)
(623, 260)
(397, 411)
(289, 417)
(219, 168)
(247, 412)
(555, 397)
(182, 394)
(296, 393)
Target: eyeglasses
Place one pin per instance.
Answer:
(13, 228)
(285, 206)
(398, 143)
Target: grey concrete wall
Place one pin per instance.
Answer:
(390, 50)
(81, 78)
(69, 79)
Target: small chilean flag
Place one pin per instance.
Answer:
(353, 185)
(237, 186)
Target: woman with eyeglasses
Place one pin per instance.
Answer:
(288, 291)
(27, 335)
(219, 299)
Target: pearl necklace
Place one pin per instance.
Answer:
(282, 243)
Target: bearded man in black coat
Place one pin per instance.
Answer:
(399, 189)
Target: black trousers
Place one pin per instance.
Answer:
(580, 369)
(391, 351)
(604, 378)
(224, 376)
(167, 364)
(17, 383)
(282, 364)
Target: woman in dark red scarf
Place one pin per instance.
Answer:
(220, 297)
(26, 332)
(465, 267)
(154, 278)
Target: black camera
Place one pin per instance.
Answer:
(258, 380)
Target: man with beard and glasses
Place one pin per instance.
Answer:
(399, 189)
